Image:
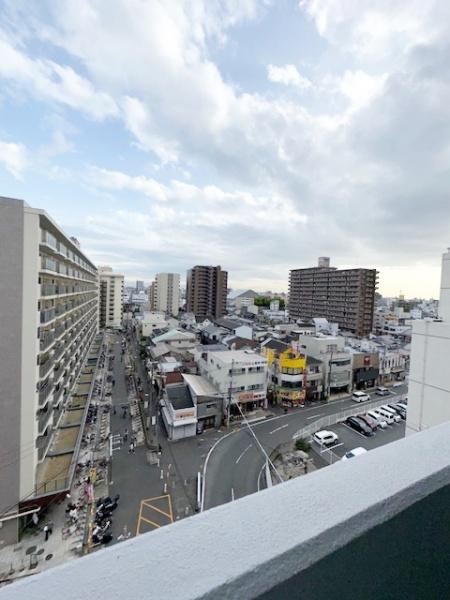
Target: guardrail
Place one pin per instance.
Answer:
(311, 428)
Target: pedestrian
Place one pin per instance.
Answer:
(46, 532)
(114, 410)
(159, 448)
(131, 449)
(125, 435)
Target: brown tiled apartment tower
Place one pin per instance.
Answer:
(206, 291)
(343, 296)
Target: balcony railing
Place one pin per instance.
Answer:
(47, 315)
(44, 368)
(45, 391)
(45, 340)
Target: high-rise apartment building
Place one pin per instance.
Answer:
(111, 298)
(206, 291)
(343, 296)
(429, 377)
(48, 318)
(139, 286)
(164, 293)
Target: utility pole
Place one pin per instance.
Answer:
(329, 373)
(229, 394)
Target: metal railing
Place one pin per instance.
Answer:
(45, 392)
(47, 315)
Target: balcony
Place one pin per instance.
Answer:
(44, 392)
(46, 340)
(359, 537)
(45, 367)
(47, 315)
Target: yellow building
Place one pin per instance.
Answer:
(290, 374)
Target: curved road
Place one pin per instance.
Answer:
(234, 464)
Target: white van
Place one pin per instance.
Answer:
(360, 397)
(385, 414)
(397, 417)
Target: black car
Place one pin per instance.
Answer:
(359, 425)
(399, 410)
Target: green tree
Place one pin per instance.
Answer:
(302, 444)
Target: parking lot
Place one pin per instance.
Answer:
(349, 439)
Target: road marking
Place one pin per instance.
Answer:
(232, 494)
(314, 416)
(354, 431)
(148, 505)
(242, 453)
(331, 448)
(278, 428)
(259, 476)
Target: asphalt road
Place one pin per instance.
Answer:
(234, 464)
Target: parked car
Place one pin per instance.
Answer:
(325, 438)
(381, 421)
(399, 410)
(371, 422)
(355, 452)
(397, 417)
(385, 414)
(359, 425)
(402, 404)
(382, 391)
(360, 396)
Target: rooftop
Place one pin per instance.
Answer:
(239, 356)
(179, 396)
(199, 385)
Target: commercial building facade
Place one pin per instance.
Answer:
(165, 293)
(240, 376)
(206, 291)
(111, 298)
(344, 296)
(48, 318)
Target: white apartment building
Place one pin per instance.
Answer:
(336, 361)
(237, 374)
(165, 293)
(111, 298)
(429, 375)
(48, 318)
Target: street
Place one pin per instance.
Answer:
(235, 463)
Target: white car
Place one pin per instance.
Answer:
(360, 397)
(382, 391)
(385, 414)
(381, 422)
(397, 417)
(355, 452)
(325, 438)
(403, 405)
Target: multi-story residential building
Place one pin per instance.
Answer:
(240, 376)
(111, 298)
(429, 375)
(206, 291)
(164, 293)
(336, 362)
(48, 318)
(139, 286)
(344, 296)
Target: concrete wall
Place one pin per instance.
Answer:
(11, 287)
(429, 378)
(30, 350)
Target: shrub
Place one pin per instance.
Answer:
(302, 444)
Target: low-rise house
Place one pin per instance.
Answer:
(176, 339)
(208, 400)
(178, 412)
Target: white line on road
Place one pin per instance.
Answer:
(232, 494)
(314, 416)
(242, 453)
(259, 476)
(278, 428)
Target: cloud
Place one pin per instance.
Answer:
(287, 75)
(48, 80)
(14, 158)
(358, 168)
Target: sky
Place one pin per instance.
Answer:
(253, 134)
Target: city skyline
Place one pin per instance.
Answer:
(256, 135)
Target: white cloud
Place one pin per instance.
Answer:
(287, 75)
(14, 158)
(49, 80)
